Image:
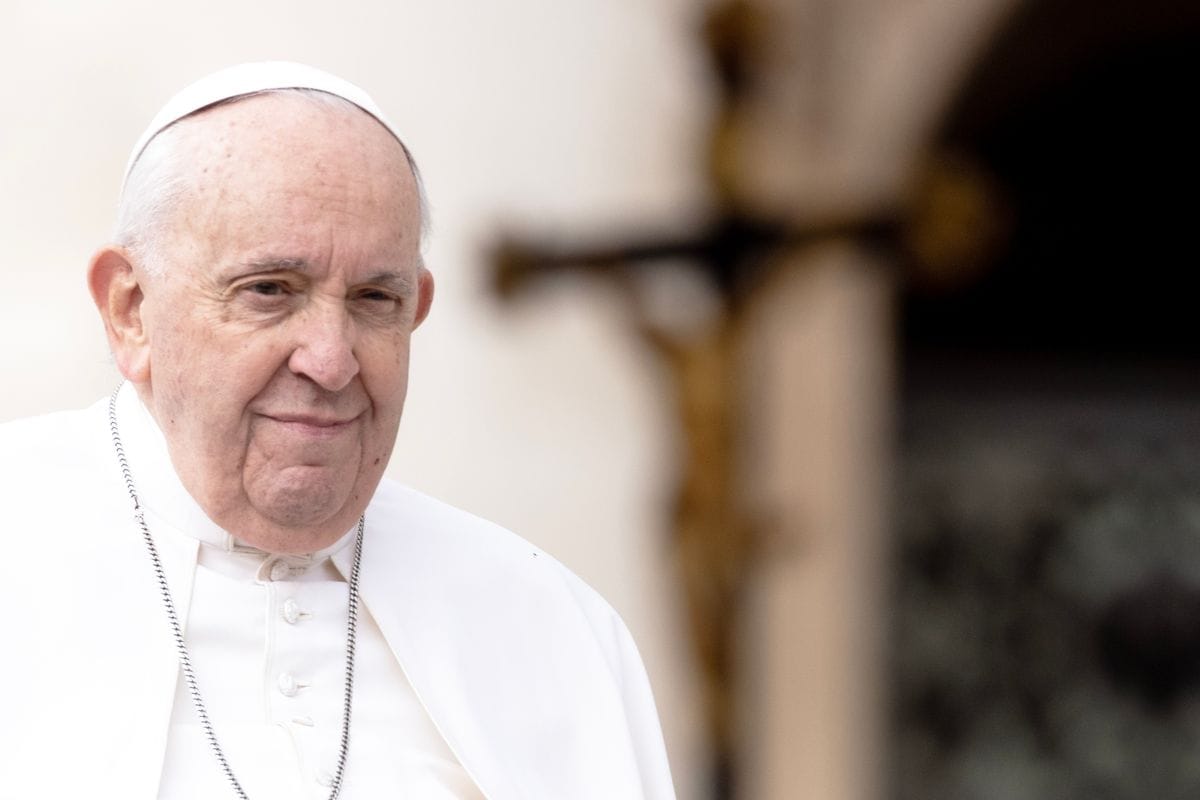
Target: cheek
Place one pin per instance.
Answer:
(383, 365)
(385, 378)
(170, 372)
(180, 348)
(206, 388)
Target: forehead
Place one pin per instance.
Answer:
(292, 166)
(273, 114)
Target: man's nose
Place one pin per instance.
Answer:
(324, 349)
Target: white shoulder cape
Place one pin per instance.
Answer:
(529, 675)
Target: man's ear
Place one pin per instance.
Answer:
(424, 294)
(118, 296)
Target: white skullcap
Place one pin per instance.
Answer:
(245, 79)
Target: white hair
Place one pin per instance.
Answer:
(159, 179)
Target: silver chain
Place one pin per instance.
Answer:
(185, 661)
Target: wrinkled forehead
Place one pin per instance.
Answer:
(246, 80)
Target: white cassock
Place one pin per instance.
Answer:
(484, 668)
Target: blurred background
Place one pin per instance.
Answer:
(843, 345)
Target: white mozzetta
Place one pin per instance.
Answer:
(528, 678)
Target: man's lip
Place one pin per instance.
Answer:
(312, 420)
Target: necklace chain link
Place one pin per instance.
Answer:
(185, 660)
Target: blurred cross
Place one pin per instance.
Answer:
(714, 536)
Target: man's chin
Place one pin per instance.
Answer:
(308, 511)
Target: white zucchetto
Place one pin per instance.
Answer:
(245, 79)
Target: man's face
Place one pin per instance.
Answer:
(278, 332)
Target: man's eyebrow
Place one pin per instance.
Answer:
(270, 264)
(398, 282)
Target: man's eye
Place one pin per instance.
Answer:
(268, 288)
(377, 296)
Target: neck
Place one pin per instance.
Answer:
(288, 541)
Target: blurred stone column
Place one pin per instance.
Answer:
(821, 391)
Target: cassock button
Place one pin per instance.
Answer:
(280, 571)
(288, 686)
(291, 611)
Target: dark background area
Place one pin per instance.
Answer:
(1046, 637)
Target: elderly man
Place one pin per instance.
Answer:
(210, 589)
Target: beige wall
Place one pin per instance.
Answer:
(551, 115)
